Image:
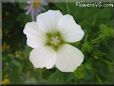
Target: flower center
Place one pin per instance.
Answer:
(36, 3)
(54, 40)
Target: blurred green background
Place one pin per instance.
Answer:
(97, 46)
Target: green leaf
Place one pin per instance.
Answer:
(57, 77)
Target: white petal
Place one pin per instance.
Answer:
(43, 57)
(68, 58)
(48, 20)
(35, 37)
(69, 29)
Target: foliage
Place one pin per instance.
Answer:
(97, 46)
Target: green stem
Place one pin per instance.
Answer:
(67, 6)
(97, 76)
(40, 72)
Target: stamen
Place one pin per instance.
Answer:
(55, 40)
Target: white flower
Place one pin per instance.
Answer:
(50, 37)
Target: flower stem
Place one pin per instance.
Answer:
(67, 6)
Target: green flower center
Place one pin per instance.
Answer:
(55, 40)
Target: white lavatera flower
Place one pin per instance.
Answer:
(50, 37)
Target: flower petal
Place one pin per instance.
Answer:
(69, 29)
(68, 58)
(43, 57)
(49, 19)
(35, 37)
